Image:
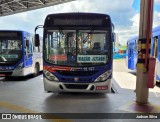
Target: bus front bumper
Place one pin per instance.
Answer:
(96, 87)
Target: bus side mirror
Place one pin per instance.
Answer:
(37, 40)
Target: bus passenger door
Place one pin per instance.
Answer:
(28, 54)
(130, 57)
(127, 52)
(158, 59)
(155, 53)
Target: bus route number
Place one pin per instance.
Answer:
(88, 68)
(83, 69)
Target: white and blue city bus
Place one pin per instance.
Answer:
(132, 51)
(18, 55)
(78, 52)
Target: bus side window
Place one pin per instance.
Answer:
(30, 47)
(136, 46)
(155, 47)
(26, 45)
(33, 45)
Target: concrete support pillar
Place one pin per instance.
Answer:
(145, 30)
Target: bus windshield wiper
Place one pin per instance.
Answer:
(85, 40)
(61, 32)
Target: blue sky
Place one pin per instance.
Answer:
(124, 14)
(136, 5)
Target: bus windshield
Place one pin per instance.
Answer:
(10, 50)
(77, 47)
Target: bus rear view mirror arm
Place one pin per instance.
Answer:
(37, 40)
(37, 27)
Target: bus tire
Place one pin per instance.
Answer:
(36, 70)
(9, 78)
(158, 81)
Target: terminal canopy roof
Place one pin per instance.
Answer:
(8, 7)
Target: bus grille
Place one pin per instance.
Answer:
(77, 73)
(80, 80)
(76, 86)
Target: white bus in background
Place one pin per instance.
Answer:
(18, 54)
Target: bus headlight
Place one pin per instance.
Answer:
(104, 76)
(50, 76)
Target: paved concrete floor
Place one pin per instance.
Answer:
(126, 79)
(27, 96)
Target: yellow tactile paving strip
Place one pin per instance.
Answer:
(133, 107)
(26, 110)
(16, 108)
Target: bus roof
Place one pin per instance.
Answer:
(132, 39)
(13, 31)
(76, 20)
(78, 14)
(156, 29)
(155, 32)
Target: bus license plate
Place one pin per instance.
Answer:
(101, 87)
(2, 75)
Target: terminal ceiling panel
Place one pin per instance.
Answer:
(8, 7)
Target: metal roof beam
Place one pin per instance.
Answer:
(6, 3)
(9, 7)
(22, 4)
(42, 1)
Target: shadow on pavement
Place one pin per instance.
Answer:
(23, 78)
